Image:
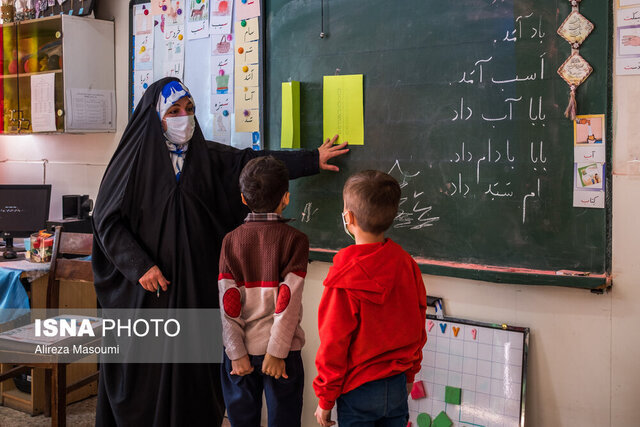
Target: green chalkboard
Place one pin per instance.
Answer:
(486, 163)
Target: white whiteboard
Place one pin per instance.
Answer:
(489, 368)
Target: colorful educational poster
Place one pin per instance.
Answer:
(141, 81)
(158, 7)
(198, 19)
(143, 19)
(246, 9)
(471, 375)
(342, 108)
(247, 30)
(221, 44)
(246, 75)
(290, 126)
(589, 159)
(221, 108)
(173, 51)
(221, 14)
(589, 129)
(222, 74)
(628, 41)
(143, 54)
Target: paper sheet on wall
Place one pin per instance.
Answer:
(141, 81)
(589, 138)
(342, 107)
(628, 41)
(90, 109)
(143, 54)
(246, 53)
(248, 9)
(221, 44)
(290, 129)
(173, 51)
(143, 22)
(247, 98)
(247, 120)
(198, 19)
(248, 32)
(222, 74)
(43, 114)
(220, 16)
(222, 108)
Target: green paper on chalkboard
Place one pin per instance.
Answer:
(424, 420)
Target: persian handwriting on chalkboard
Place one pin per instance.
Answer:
(418, 211)
(492, 158)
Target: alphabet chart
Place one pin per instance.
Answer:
(473, 374)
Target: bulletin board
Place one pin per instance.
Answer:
(472, 373)
(204, 55)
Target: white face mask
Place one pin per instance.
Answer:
(180, 129)
(344, 224)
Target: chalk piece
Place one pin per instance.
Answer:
(430, 325)
(455, 331)
(424, 420)
(442, 420)
(452, 395)
(443, 326)
(418, 391)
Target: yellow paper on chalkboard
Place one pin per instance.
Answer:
(290, 133)
(342, 108)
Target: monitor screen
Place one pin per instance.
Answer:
(24, 209)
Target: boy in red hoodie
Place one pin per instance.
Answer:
(372, 314)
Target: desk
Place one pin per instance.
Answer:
(72, 295)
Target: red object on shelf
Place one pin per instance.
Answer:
(418, 391)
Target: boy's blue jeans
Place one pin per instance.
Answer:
(243, 395)
(380, 403)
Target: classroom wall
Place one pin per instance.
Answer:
(583, 368)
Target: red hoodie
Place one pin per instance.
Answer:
(371, 319)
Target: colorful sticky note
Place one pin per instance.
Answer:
(343, 110)
(290, 132)
(452, 395)
(424, 420)
(442, 420)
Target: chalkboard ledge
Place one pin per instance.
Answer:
(498, 274)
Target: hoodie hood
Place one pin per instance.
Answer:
(367, 271)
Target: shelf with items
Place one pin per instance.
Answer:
(34, 48)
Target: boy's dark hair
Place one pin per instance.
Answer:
(263, 182)
(373, 197)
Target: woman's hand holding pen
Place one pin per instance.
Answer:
(153, 280)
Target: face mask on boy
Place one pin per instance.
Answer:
(180, 129)
(346, 229)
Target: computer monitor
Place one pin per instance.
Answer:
(24, 209)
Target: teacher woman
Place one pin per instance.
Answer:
(167, 199)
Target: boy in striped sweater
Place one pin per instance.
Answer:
(263, 264)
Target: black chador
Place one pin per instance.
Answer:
(144, 217)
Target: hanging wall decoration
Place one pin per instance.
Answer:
(575, 70)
